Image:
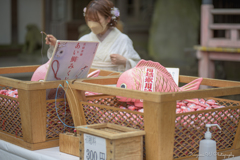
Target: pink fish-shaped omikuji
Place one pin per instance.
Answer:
(152, 77)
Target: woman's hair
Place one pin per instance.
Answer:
(104, 8)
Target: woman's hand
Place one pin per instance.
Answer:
(118, 59)
(50, 39)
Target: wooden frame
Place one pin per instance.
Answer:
(159, 139)
(32, 104)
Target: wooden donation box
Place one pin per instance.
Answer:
(108, 141)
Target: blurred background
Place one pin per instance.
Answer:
(165, 31)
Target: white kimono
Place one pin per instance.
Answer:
(114, 43)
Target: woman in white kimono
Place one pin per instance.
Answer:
(115, 51)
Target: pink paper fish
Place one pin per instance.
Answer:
(152, 77)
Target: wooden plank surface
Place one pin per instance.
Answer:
(128, 148)
(74, 98)
(114, 91)
(68, 143)
(33, 115)
(18, 69)
(13, 83)
(159, 124)
(125, 131)
(236, 143)
(209, 81)
(30, 146)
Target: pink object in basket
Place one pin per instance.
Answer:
(152, 77)
(40, 73)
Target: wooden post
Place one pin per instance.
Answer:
(236, 143)
(33, 115)
(159, 124)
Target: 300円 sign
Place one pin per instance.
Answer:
(94, 148)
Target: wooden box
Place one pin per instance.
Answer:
(121, 143)
(168, 135)
(69, 143)
(31, 121)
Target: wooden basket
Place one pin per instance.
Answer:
(168, 135)
(31, 121)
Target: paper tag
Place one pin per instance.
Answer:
(94, 148)
(175, 74)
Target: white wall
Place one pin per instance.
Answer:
(5, 22)
(29, 11)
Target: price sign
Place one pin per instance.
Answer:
(94, 148)
(175, 74)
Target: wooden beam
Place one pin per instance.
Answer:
(18, 69)
(213, 92)
(74, 99)
(33, 115)
(79, 85)
(36, 146)
(159, 125)
(13, 83)
(209, 81)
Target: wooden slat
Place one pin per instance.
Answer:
(209, 81)
(18, 69)
(113, 108)
(30, 146)
(222, 26)
(215, 92)
(42, 85)
(33, 115)
(159, 124)
(225, 11)
(74, 98)
(127, 132)
(236, 144)
(115, 91)
(13, 83)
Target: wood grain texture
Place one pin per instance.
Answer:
(68, 143)
(33, 115)
(18, 69)
(74, 99)
(31, 146)
(119, 148)
(128, 148)
(236, 144)
(121, 131)
(159, 123)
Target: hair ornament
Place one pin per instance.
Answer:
(115, 13)
(84, 11)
